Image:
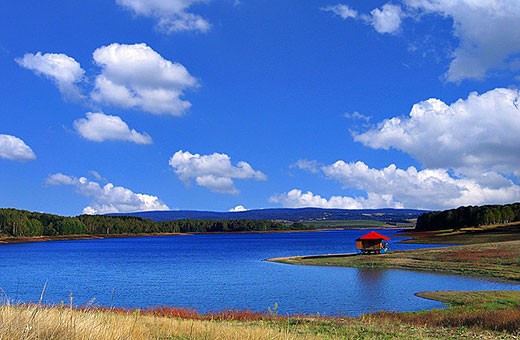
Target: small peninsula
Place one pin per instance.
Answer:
(487, 243)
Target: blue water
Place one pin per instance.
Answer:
(217, 272)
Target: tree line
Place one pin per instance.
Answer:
(470, 216)
(15, 222)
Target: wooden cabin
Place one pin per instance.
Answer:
(372, 243)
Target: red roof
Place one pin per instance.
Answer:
(373, 236)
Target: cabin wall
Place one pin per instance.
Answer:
(370, 244)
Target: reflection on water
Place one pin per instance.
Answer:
(216, 272)
(371, 282)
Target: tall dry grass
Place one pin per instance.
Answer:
(62, 323)
(482, 315)
(35, 322)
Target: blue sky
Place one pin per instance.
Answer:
(131, 105)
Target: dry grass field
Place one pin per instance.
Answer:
(482, 315)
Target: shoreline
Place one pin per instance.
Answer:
(31, 239)
(77, 237)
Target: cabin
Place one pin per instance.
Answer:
(372, 243)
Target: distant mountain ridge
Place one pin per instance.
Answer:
(285, 214)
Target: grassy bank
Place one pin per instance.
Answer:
(499, 260)
(492, 252)
(481, 315)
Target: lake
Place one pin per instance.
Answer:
(217, 272)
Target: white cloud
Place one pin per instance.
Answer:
(429, 189)
(108, 198)
(297, 199)
(469, 150)
(410, 188)
(15, 149)
(132, 76)
(214, 183)
(213, 171)
(135, 76)
(477, 133)
(61, 179)
(341, 10)
(488, 32)
(387, 19)
(171, 15)
(60, 68)
(99, 127)
(238, 208)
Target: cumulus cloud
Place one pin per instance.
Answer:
(108, 198)
(99, 127)
(171, 15)
(411, 188)
(136, 76)
(15, 149)
(476, 133)
(423, 189)
(238, 208)
(386, 19)
(298, 199)
(60, 68)
(132, 76)
(214, 171)
(469, 150)
(488, 32)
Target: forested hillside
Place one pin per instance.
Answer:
(390, 216)
(471, 216)
(14, 222)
